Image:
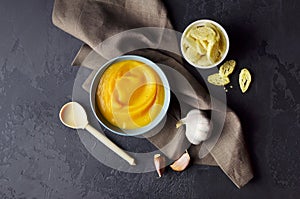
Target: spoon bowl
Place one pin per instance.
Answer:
(73, 115)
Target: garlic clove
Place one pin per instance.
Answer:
(160, 164)
(181, 163)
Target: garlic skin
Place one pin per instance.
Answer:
(159, 163)
(198, 126)
(181, 163)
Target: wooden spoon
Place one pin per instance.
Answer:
(74, 116)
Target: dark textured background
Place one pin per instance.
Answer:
(40, 158)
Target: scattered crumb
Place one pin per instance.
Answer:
(231, 86)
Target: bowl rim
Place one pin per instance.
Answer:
(158, 118)
(224, 33)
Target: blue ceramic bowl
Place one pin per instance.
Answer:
(138, 131)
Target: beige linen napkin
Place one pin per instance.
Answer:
(93, 21)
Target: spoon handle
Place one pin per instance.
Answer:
(102, 138)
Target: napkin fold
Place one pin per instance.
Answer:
(93, 21)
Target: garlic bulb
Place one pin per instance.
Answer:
(198, 126)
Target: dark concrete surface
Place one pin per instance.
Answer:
(40, 158)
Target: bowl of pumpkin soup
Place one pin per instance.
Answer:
(130, 95)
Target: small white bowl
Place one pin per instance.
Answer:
(200, 22)
(138, 131)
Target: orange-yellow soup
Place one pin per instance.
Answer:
(130, 94)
